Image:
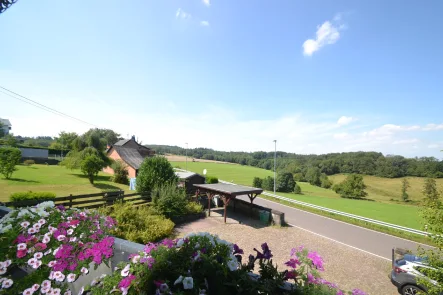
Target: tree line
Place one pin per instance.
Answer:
(367, 163)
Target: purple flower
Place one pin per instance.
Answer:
(358, 292)
(293, 262)
(126, 282)
(311, 279)
(297, 250)
(237, 249)
(168, 243)
(340, 292)
(148, 260)
(316, 259)
(149, 247)
(60, 207)
(266, 251)
(291, 275)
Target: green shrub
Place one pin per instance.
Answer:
(28, 162)
(285, 182)
(120, 172)
(154, 172)
(169, 200)
(211, 179)
(140, 224)
(325, 181)
(9, 158)
(268, 183)
(193, 208)
(24, 196)
(297, 189)
(353, 187)
(257, 182)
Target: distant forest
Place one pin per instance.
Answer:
(368, 163)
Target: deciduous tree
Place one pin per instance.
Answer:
(154, 172)
(285, 183)
(9, 158)
(404, 189)
(352, 187)
(91, 165)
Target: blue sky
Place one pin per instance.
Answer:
(318, 76)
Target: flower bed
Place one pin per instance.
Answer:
(205, 264)
(59, 247)
(55, 246)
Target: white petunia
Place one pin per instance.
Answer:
(24, 212)
(81, 291)
(3, 270)
(52, 263)
(55, 251)
(37, 226)
(135, 259)
(46, 239)
(8, 262)
(32, 231)
(46, 284)
(28, 291)
(125, 271)
(180, 242)
(42, 221)
(84, 270)
(25, 224)
(45, 290)
(179, 280)
(32, 261)
(5, 229)
(21, 246)
(232, 264)
(67, 292)
(69, 231)
(59, 276)
(38, 255)
(71, 277)
(35, 287)
(188, 283)
(48, 252)
(61, 237)
(56, 291)
(37, 264)
(7, 283)
(73, 239)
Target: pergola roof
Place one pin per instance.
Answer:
(229, 189)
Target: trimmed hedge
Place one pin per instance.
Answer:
(25, 196)
(211, 179)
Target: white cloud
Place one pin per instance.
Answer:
(433, 146)
(182, 14)
(433, 127)
(204, 23)
(406, 141)
(207, 2)
(343, 120)
(342, 135)
(389, 129)
(328, 33)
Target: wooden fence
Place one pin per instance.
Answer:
(88, 201)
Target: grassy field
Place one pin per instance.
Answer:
(401, 214)
(388, 189)
(55, 179)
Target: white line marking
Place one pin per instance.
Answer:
(346, 223)
(341, 243)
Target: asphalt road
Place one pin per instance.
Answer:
(375, 243)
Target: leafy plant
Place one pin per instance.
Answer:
(141, 224)
(24, 196)
(9, 158)
(352, 187)
(257, 182)
(120, 172)
(154, 172)
(169, 200)
(268, 183)
(193, 208)
(404, 189)
(285, 182)
(91, 165)
(297, 189)
(324, 181)
(211, 179)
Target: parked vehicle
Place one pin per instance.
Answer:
(405, 271)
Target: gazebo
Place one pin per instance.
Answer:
(227, 192)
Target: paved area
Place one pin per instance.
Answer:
(348, 267)
(368, 240)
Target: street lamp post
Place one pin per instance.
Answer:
(186, 156)
(275, 159)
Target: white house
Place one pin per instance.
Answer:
(6, 125)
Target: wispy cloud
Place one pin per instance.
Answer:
(182, 14)
(433, 127)
(433, 146)
(207, 2)
(343, 120)
(327, 33)
(406, 141)
(204, 23)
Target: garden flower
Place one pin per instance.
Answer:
(296, 250)
(61, 237)
(67, 292)
(126, 282)
(84, 270)
(232, 264)
(291, 275)
(32, 231)
(38, 255)
(59, 276)
(125, 271)
(316, 259)
(25, 224)
(46, 284)
(42, 221)
(3, 270)
(21, 246)
(340, 292)
(149, 247)
(7, 283)
(188, 283)
(52, 263)
(6, 228)
(180, 242)
(37, 226)
(35, 287)
(28, 291)
(196, 256)
(73, 239)
(56, 291)
(168, 243)
(82, 290)
(179, 280)
(69, 231)
(37, 264)
(237, 250)
(40, 246)
(135, 259)
(358, 292)
(32, 261)
(71, 277)
(46, 239)
(293, 262)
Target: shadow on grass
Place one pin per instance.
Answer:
(96, 178)
(23, 180)
(106, 187)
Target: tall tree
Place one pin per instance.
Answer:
(404, 189)
(285, 182)
(430, 191)
(9, 158)
(353, 187)
(64, 141)
(91, 165)
(313, 176)
(154, 172)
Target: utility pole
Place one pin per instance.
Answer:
(186, 156)
(275, 160)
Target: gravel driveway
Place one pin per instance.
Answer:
(348, 267)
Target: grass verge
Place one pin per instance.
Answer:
(383, 229)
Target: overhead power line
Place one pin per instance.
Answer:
(41, 106)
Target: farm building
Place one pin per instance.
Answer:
(188, 179)
(131, 153)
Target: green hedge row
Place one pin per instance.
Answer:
(25, 196)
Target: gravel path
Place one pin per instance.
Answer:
(348, 267)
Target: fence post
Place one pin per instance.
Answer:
(70, 201)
